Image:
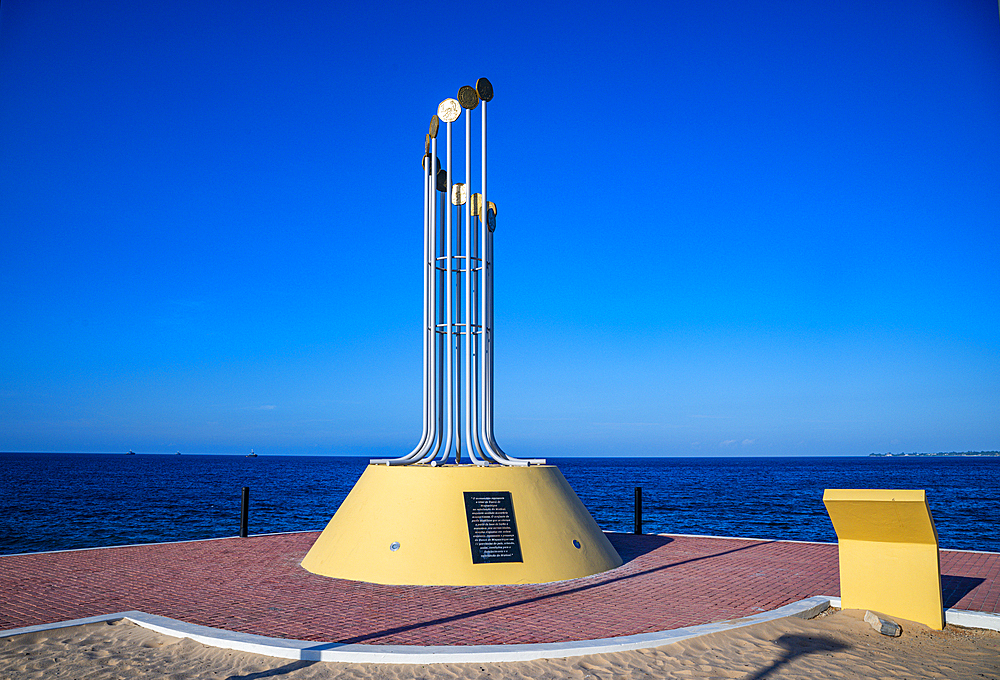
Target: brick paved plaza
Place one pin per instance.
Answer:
(255, 585)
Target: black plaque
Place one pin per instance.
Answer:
(492, 529)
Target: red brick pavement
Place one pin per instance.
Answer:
(256, 585)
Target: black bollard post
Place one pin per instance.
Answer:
(245, 512)
(638, 510)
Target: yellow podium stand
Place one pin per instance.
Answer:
(889, 559)
(461, 525)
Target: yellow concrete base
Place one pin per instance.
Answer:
(889, 559)
(407, 525)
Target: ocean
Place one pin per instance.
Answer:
(68, 501)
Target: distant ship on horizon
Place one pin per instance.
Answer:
(130, 453)
(251, 454)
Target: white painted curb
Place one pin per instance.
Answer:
(413, 654)
(956, 617)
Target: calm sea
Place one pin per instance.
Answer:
(64, 501)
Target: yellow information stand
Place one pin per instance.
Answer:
(889, 558)
(461, 525)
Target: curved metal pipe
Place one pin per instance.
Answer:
(449, 363)
(458, 301)
(426, 435)
(471, 439)
(488, 335)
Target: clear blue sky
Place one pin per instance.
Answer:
(725, 228)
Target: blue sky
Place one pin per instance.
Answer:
(724, 228)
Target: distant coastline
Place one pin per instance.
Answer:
(950, 453)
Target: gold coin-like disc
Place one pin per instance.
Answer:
(435, 123)
(468, 97)
(449, 110)
(477, 202)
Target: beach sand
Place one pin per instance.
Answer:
(836, 645)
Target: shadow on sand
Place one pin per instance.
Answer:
(274, 672)
(796, 646)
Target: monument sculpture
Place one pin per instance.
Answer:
(457, 509)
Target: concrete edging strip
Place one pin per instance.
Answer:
(414, 654)
(956, 617)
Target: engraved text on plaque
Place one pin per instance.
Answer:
(492, 529)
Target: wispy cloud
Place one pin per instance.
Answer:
(266, 407)
(748, 442)
(727, 442)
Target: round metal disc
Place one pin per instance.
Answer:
(427, 143)
(449, 110)
(437, 162)
(490, 205)
(485, 89)
(468, 97)
(477, 202)
(491, 218)
(442, 180)
(458, 194)
(435, 123)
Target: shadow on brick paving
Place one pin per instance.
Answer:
(357, 639)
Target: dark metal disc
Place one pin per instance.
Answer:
(468, 97)
(437, 162)
(485, 89)
(491, 218)
(442, 180)
(435, 124)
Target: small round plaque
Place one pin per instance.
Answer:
(442, 180)
(459, 195)
(394, 546)
(491, 218)
(485, 89)
(576, 544)
(468, 97)
(435, 124)
(449, 110)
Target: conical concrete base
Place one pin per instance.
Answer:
(461, 525)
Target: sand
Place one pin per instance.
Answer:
(836, 645)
